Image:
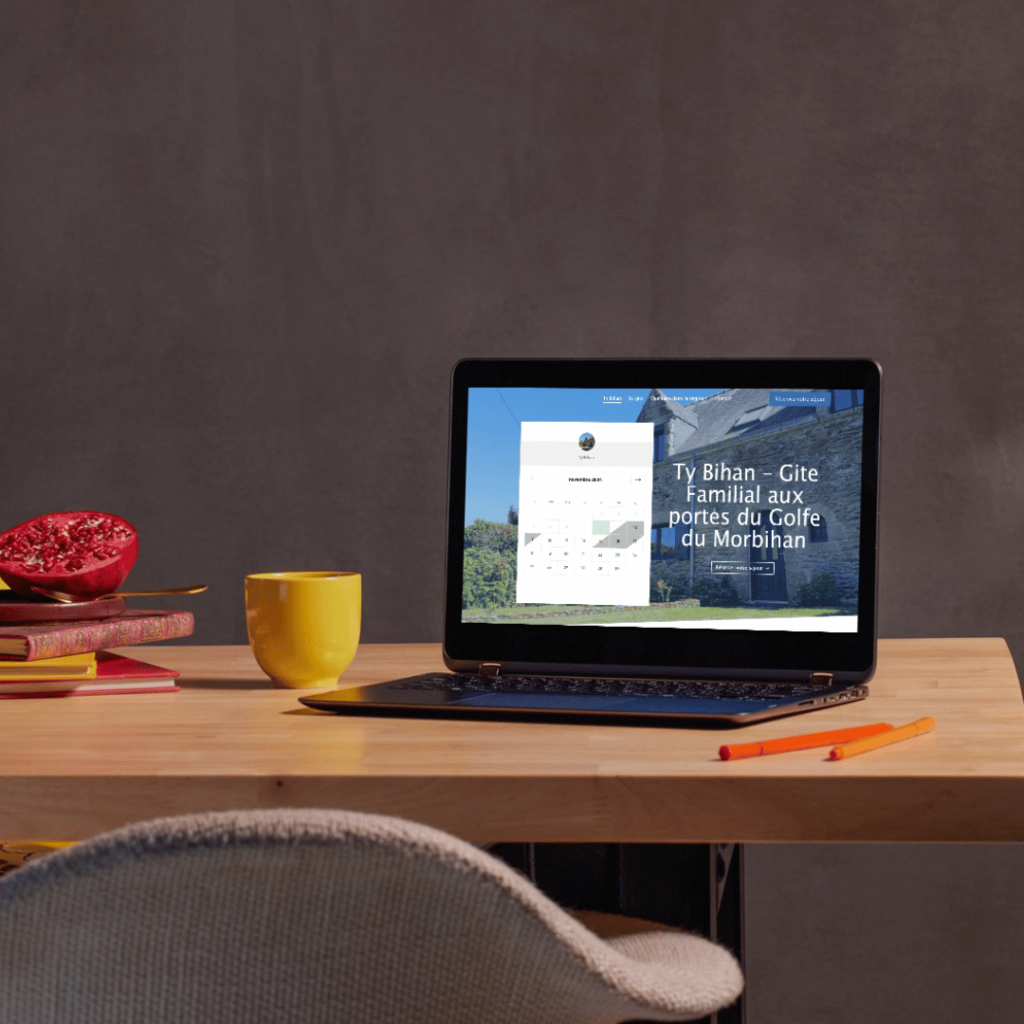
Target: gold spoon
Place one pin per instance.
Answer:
(59, 595)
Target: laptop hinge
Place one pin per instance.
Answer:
(489, 668)
(821, 678)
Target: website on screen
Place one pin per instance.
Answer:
(665, 508)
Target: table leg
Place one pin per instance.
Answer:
(727, 915)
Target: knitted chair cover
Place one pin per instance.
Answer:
(322, 916)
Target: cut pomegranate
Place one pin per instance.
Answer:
(82, 553)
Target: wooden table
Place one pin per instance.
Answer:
(72, 767)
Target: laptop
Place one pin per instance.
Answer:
(666, 542)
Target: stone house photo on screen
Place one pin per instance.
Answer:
(758, 492)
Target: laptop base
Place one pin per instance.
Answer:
(596, 700)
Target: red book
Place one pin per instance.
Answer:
(25, 642)
(114, 674)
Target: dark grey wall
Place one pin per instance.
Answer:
(243, 243)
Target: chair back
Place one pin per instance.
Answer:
(321, 916)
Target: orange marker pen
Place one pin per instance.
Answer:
(904, 732)
(734, 751)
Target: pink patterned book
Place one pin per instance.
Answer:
(29, 642)
(114, 674)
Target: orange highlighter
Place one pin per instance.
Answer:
(734, 751)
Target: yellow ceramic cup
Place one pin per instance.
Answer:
(303, 626)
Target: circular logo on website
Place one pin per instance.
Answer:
(587, 442)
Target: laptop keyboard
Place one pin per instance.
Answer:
(716, 689)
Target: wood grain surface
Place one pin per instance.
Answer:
(73, 767)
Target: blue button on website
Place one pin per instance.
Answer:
(799, 398)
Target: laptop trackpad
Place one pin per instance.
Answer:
(553, 701)
(624, 705)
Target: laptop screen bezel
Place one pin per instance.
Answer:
(672, 653)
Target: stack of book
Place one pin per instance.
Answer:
(61, 659)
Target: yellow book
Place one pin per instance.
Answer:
(13, 854)
(70, 666)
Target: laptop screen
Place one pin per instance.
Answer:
(705, 510)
